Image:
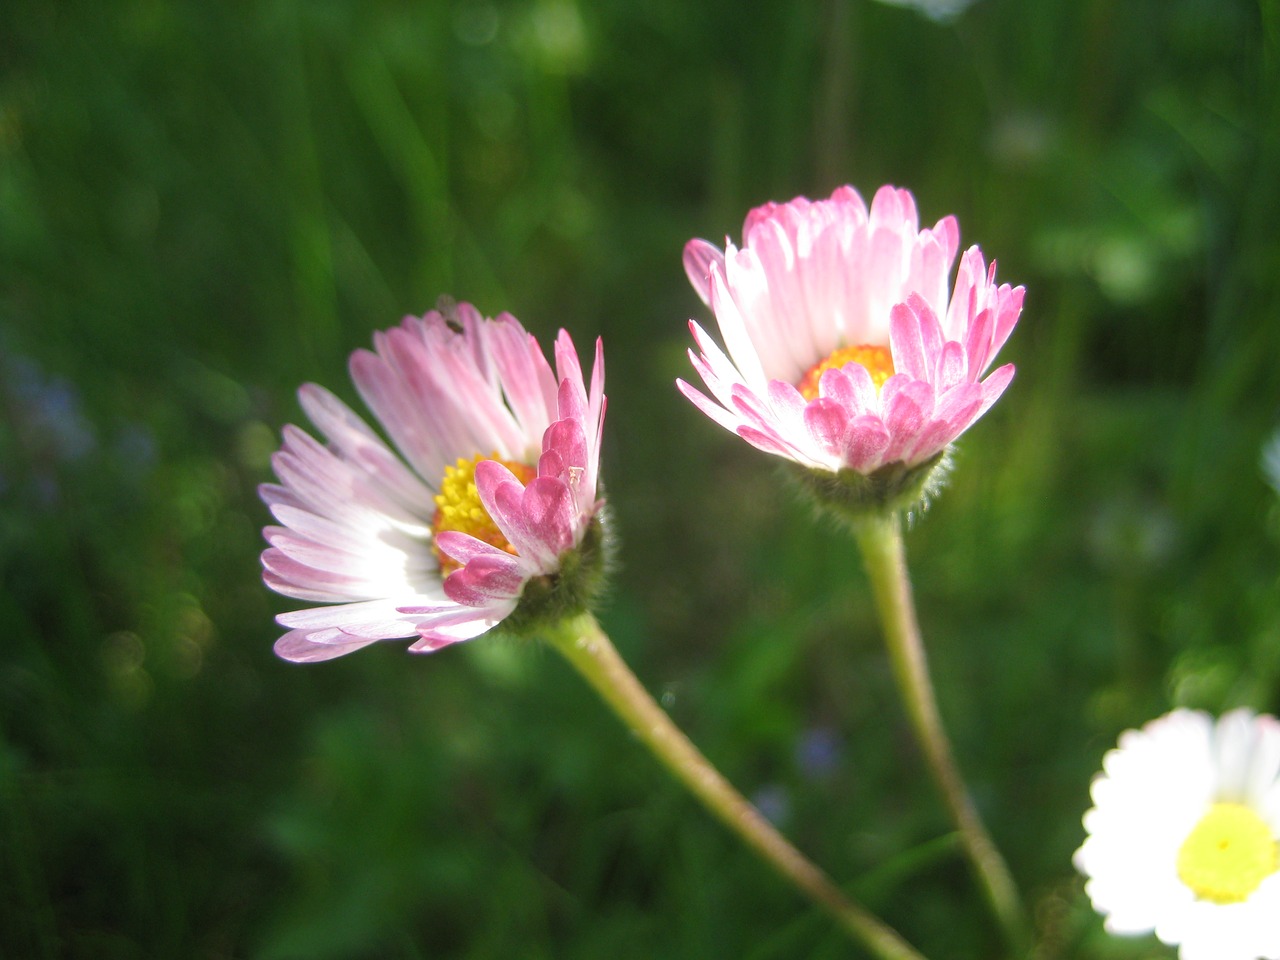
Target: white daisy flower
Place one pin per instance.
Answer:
(1184, 835)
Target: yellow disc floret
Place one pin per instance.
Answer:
(458, 505)
(1228, 854)
(877, 361)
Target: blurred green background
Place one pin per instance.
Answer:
(203, 205)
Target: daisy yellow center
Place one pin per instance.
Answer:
(458, 505)
(877, 361)
(1228, 854)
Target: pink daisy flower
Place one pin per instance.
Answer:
(491, 486)
(848, 347)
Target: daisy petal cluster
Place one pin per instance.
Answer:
(1184, 835)
(847, 346)
(489, 484)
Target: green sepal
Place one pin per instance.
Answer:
(893, 488)
(571, 591)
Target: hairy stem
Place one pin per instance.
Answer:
(586, 646)
(880, 540)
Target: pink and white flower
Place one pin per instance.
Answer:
(492, 480)
(847, 345)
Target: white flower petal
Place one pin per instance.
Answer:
(1154, 789)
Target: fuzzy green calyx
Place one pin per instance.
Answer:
(571, 591)
(856, 497)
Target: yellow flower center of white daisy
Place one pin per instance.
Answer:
(1228, 854)
(458, 506)
(877, 361)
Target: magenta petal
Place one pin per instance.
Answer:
(501, 495)
(837, 385)
(484, 579)
(866, 439)
(548, 508)
(826, 420)
(905, 416)
(571, 400)
(566, 438)
(491, 476)
(551, 464)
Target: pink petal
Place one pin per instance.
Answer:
(866, 439)
(1007, 312)
(483, 580)
(865, 397)
(463, 548)
(297, 576)
(733, 324)
(977, 342)
(906, 343)
(528, 384)
(549, 512)
(568, 369)
(952, 368)
(716, 369)
(905, 416)
(566, 439)
(698, 258)
(826, 421)
(994, 386)
(571, 401)
(295, 647)
(713, 410)
(312, 594)
(786, 402)
(466, 623)
(502, 495)
(770, 441)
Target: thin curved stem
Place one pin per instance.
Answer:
(586, 646)
(880, 540)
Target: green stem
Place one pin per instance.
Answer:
(880, 540)
(586, 646)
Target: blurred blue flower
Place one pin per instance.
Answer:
(818, 752)
(46, 413)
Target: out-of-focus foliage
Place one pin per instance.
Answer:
(204, 204)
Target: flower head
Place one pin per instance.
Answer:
(849, 350)
(1184, 835)
(492, 508)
